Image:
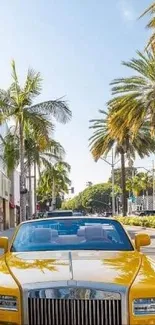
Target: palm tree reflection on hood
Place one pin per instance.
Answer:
(126, 263)
(40, 264)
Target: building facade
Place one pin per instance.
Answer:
(15, 199)
(5, 185)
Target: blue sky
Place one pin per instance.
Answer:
(77, 45)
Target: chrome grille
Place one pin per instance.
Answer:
(43, 311)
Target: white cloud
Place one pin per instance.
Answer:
(127, 10)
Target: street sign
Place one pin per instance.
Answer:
(132, 199)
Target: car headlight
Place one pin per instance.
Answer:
(144, 306)
(8, 303)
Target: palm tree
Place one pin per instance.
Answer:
(134, 100)
(54, 181)
(102, 141)
(9, 151)
(17, 104)
(134, 185)
(146, 182)
(39, 150)
(151, 25)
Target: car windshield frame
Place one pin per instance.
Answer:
(124, 243)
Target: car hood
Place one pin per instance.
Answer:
(94, 266)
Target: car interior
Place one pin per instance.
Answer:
(84, 234)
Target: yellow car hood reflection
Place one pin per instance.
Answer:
(105, 267)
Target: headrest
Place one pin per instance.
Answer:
(54, 233)
(96, 232)
(42, 235)
(81, 232)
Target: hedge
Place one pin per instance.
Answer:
(148, 222)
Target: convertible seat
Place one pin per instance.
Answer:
(43, 235)
(96, 233)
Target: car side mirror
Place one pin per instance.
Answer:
(4, 243)
(142, 240)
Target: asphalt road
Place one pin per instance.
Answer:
(149, 251)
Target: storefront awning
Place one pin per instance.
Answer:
(12, 205)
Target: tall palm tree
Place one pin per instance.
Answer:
(39, 150)
(134, 97)
(17, 104)
(146, 182)
(151, 25)
(54, 181)
(102, 141)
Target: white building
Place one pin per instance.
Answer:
(15, 198)
(4, 187)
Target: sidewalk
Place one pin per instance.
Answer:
(7, 233)
(140, 228)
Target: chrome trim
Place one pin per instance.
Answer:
(74, 293)
(87, 285)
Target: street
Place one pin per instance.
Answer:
(149, 251)
(7, 233)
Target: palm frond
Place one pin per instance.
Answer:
(38, 121)
(150, 47)
(10, 151)
(149, 10)
(33, 84)
(57, 108)
(108, 134)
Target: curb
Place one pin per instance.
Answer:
(3, 232)
(139, 227)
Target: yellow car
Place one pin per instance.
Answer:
(75, 271)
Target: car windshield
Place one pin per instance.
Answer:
(71, 234)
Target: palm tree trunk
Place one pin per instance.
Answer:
(53, 194)
(35, 188)
(123, 181)
(30, 188)
(147, 200)
(22, 176)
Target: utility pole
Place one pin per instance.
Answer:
(35, 189)
(53, 194)
(153, 174)
(112, 164)
(30, 189)
(113, 184)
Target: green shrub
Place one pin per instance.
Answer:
(148, 222)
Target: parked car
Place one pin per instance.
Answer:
(108, 214)
(78, 214)
(59, 213)
(93, 275)
(146, 213)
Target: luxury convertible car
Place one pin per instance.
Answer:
(75, 271)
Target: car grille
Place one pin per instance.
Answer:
(43, 311)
